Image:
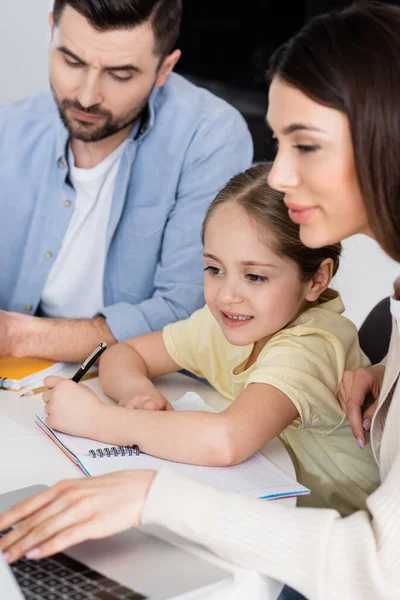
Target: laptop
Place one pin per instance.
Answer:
(133, 565)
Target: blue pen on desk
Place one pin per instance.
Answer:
(84, 368)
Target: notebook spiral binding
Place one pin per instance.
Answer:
(114, 451)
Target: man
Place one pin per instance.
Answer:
(104, 183)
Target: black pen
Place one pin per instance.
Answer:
(84, 368)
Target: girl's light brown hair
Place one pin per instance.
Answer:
(350, 61)
(266, 207)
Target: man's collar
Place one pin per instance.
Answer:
(143, 125)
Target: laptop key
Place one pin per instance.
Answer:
(40, 575)
(76, 579)
(50, 595)
(49, 565)
(29, 596)
(65, 589)
(25, 568)
(62, 573)
(88, 587)
(37, 589)
(51, 582)
(79, 596)
(24, 582)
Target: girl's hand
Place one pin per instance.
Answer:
(74, 511)
(71, 407)
(353, 391)
(151, 401)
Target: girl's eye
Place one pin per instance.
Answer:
(305, 148)
(256, 278)
(213, 271)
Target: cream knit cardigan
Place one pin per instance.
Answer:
(314, 551)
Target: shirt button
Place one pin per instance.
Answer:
(67, 203)
(28, 307)
(48, 255)
(62, 164)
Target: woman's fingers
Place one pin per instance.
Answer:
(26, 508)
(34, 516)
(34, 535)
(368, 414)
(73, 511)
(354, 388)
(70, 536)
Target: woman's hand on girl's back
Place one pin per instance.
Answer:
(353, 391)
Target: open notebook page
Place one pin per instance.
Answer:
(256, 477)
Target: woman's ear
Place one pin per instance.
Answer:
(320, 281)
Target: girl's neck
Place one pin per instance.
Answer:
(255, 353)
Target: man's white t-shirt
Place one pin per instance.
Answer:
(74, 287)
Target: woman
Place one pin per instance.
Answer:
(334, 109)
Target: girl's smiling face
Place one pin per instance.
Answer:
(251, 291)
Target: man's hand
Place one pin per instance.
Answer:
(151, 401)
(52, 339)
(74, 511)
(353, 391)
(71, 407)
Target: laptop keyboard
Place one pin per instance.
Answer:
(63, 578)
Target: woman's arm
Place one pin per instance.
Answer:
(314, 551)
(259, 414)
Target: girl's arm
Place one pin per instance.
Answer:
(259, 414)
(127, 369)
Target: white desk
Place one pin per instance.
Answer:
(29, 457)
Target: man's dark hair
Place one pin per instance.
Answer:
(105, 15)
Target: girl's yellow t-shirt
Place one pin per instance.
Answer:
(305, 361)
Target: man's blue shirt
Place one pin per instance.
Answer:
(191, 144)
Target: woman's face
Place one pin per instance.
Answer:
(314, 167)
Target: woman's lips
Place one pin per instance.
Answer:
(300, 214)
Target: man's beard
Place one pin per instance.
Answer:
(93, 132)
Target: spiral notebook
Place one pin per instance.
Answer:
(256, 477)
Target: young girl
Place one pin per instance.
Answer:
(271, 339)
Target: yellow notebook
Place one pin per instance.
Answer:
(16, 373)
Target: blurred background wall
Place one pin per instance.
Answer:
(226, 45)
